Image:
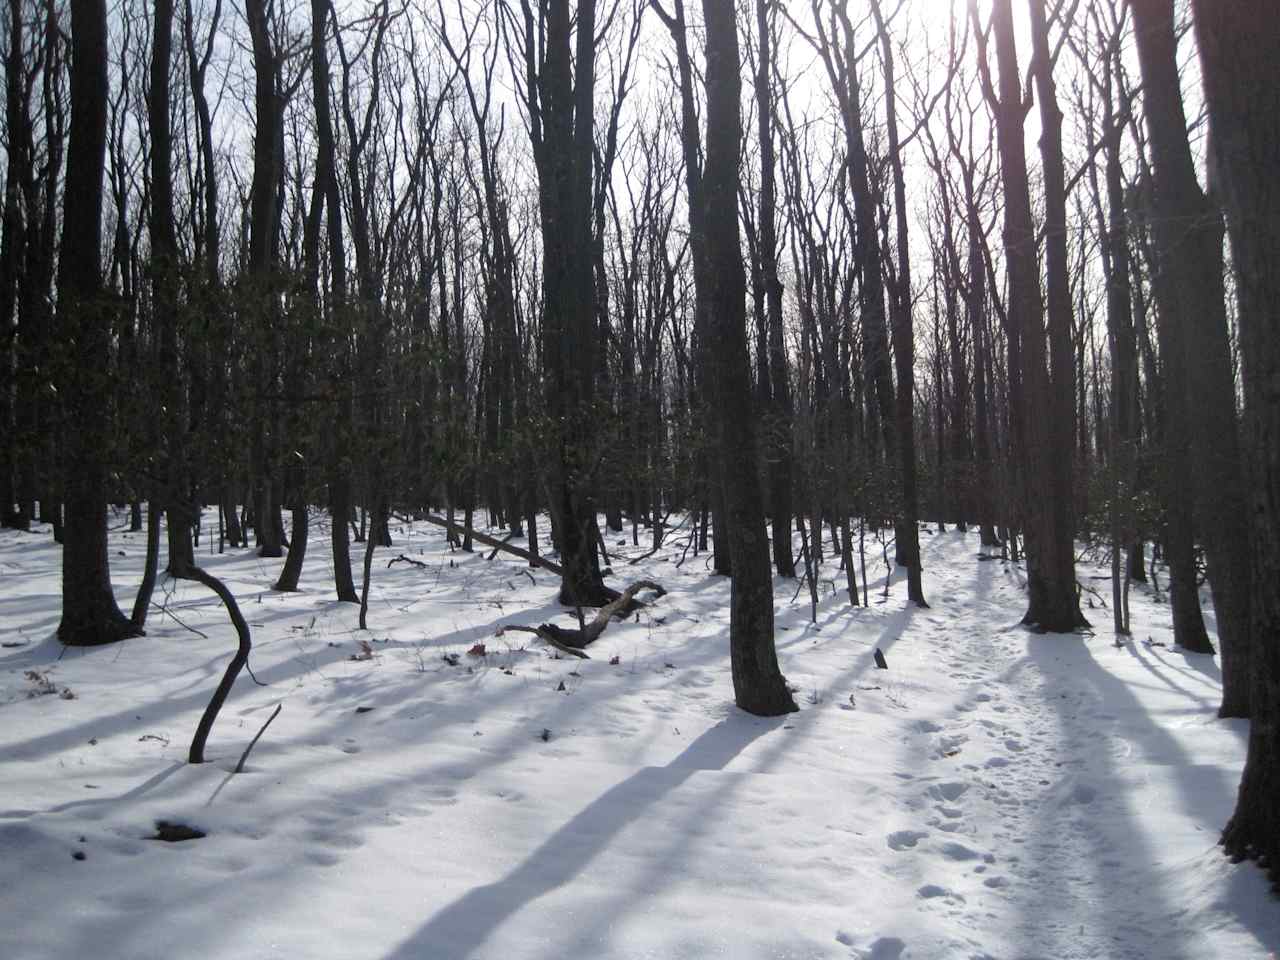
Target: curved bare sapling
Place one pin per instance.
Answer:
(238, 662)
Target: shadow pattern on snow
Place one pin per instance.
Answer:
(464, 925)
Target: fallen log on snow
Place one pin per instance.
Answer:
(572, 641)
(497, 544)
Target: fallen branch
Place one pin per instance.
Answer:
(403, 559)
(572, 641)
(547, 637)
(494, 552)
(497, 544)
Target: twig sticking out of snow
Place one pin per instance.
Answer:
(245, 756)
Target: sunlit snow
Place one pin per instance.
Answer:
(993, 794)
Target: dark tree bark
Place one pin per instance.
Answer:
(1239, 49)
(1042, 458)
(326, 184)
(1055, 603)
(759, 686)
(1190, 291)
(16, 396)
(164, 280)
(559, 91)
(261, 278)
(89, 612)
(907, 532)
(837, 47)
(778, 439)
(208, 248)
(691, 148)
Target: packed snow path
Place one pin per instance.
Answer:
(993, 794)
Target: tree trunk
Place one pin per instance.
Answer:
(907, 533)
(1056, 592)
(778, 437)
(90, 615)
(561, 97)
(164, 280)
(1189, 288)
(1239, 49)
(758, 685)
(1043, 460)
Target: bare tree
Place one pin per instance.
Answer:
(1239, 48)
(89, 612)
(558, 53)
(758, 685)
(1042, 456)
(1189, 287)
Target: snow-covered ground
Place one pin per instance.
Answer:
(994, 793)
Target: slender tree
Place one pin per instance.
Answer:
(778, 439)
(907, 532)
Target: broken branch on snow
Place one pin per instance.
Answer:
(572, 641)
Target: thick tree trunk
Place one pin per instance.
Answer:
(562, 99)
(1042, 458)
(1055, 603)
(90, 615)
(292, 569)
(1190, 290)
(261, 274)
(1239, 49)
(758, 684)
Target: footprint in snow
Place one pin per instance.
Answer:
(950, 791)
(337, 839)
(905, 839)
(321, 858)
(958, 851)
(931, 891)
(882, 948)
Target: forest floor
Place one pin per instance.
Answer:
(994, 793)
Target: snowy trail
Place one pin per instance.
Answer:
(993, 794)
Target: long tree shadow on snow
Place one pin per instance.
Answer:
(463, 926)
(1131, 901)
